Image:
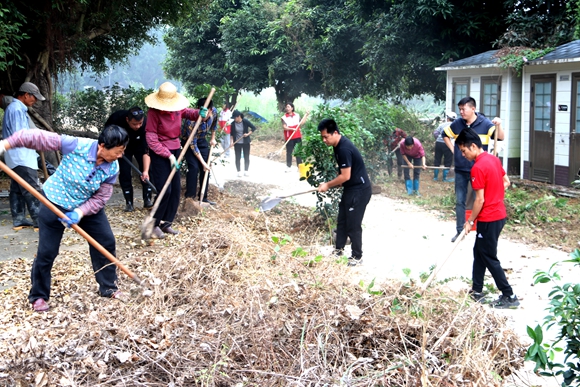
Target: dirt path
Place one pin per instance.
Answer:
(399, 235)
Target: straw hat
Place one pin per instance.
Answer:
(167, 98)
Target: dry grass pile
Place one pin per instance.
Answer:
(232, 308)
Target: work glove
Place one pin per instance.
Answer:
(173, 162)
(2, 147)
(73, 217)
(203, 112)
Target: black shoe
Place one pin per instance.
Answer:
(147, 203)
(477, 296)
(506, 302)
(129, 207)
(455, 237)
(354, 261)
(209, 202)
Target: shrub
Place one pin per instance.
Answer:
(367, 123)
(87, 110)
(564, 313)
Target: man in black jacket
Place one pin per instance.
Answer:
(133, 121)
(352, 176)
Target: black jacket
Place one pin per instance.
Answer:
(247, 126)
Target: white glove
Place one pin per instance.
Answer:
(496, 121)
(2, 147)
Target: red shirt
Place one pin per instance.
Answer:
(163, 129)
(487, 173)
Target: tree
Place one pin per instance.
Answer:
(349, 48)
(244, 43)
(540, 23)
(195, 55)
(92, 33)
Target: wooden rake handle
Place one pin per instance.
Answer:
(181, 156)
(76, 227)
(205, 177)
(440, 264)
(302, 121)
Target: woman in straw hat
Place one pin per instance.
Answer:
(166, 110)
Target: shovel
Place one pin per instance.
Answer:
(140, 174)
(271, 202)
(76, 227)
(149, 222)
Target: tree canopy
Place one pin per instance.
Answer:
(92, 33)
(348, 48)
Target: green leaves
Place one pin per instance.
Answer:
(565, 314)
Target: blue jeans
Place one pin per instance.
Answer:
(49, 237)
(462, 182)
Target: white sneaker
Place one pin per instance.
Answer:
(239, 174)
(288, 169)
(246, 173)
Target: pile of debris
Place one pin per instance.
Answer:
(238, 300)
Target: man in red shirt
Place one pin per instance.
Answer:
(489, 182)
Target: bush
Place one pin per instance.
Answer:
(88, 110)
(564, 313)
(367, 123)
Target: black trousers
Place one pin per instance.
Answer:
(195, 170)
(160, 170)
(442, 152)
(49, 237)
(400, 162)
(238, 149)
(20, 198)
(125, 177)
(416, 171)
(290, 149)
(351, 211)
(485, 257)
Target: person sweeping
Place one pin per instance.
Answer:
(489, 181)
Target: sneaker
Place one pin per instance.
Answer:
(157, 233)
(129, 207)
(455, 237)
(147, 203)
(209, 202)
(239, 174)
(40, 305)
(449, 180)
(246, 173)
(506, 302)
(169, 230)
(288, 169)
(338, 253)
(354, 261)
(477, 296)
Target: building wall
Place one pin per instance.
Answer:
(562, 118)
